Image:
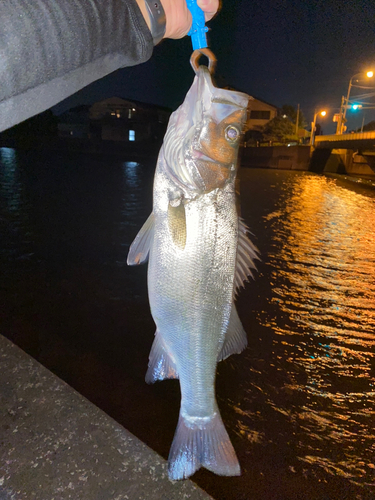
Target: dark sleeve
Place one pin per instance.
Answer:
(50, 49)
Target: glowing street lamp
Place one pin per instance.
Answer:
(313, 126)
(342, 119)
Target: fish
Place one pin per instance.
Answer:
(199, 256)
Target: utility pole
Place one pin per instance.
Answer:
(297, 120)
(363, 120)
(341, 120)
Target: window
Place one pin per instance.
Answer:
(129, 113)
(260, 115)
(131, 135)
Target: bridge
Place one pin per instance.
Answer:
(361, 141)
(345, 153)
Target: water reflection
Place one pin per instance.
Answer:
(9, 180)
(322, 314)
(134, 205)
(15, 230)
(132, 185)
(132, 173)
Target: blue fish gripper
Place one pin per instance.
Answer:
(198, 28)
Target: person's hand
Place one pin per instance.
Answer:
(179, 18)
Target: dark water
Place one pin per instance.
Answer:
(298, 403)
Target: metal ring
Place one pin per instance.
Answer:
(196, 55)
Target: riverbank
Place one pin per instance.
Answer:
(353, 180)
(55, 444)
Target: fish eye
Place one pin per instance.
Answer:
(232, 133)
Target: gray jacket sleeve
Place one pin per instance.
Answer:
(50, 49)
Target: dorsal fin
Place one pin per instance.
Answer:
(247, 253)
(140, 248)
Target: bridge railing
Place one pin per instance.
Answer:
(345, 137)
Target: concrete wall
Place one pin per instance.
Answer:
(362, 165)
(279, 157)
(338, 161)
(343, 161)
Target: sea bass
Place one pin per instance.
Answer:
(199, 255)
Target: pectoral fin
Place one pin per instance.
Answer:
(235, 338)
(140, 248)
(177, 224)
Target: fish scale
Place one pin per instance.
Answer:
(183, 271)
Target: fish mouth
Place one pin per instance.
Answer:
(202, 157)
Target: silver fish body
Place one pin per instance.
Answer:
(199, 255)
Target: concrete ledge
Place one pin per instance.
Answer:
(56, 445)
(366, 183)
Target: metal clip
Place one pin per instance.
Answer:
(196, 55)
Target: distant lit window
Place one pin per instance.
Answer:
(129, 113)
(131, 135)
(260, 115)
(113, 113)
(118, 114)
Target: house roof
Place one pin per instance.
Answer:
(265, 102)
(133, 102)
(229, 87)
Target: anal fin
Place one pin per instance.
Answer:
(160, 365)
(235, 338)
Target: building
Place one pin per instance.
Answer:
(117, 119)
(260, 113)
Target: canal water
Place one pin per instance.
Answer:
(298, 403)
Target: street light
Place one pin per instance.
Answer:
(342, 119)
(313, 126)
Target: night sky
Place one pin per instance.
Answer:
(280, 51)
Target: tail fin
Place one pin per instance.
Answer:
(202, 442)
